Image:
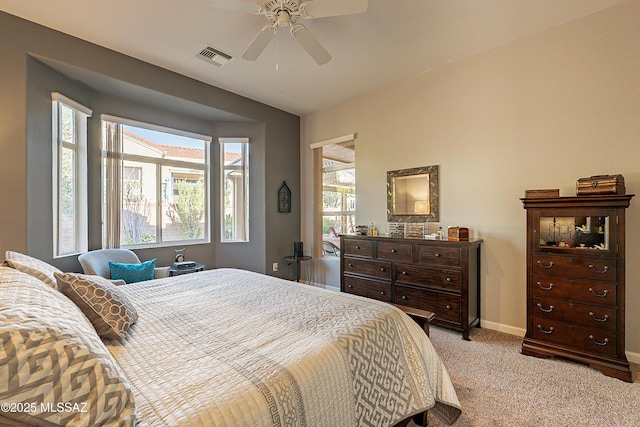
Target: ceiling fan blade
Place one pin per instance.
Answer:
(324, 8)
(248, 6)
(310, 44)
(259, 43)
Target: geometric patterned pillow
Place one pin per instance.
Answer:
(108, 309)
(51, 355)
(32, 266)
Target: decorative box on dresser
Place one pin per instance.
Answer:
(576, 280)
(440, 276)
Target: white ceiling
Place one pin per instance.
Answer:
(394, 40)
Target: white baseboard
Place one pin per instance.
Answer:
(631, 356)
(503, 328)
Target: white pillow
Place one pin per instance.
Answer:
(32, 266)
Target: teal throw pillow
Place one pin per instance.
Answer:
(132, 273)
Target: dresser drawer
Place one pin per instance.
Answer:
(381, 269)
(368, 288)
(576, 267)
(600, 293)
(591, 340)
(362, 248)
(445, 306)
(581, 314)
(395, 251)
(432, 277)
(440, 255)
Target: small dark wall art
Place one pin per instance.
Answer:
(284, 198)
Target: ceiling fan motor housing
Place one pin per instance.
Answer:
(282, 13)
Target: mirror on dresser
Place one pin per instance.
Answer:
(412, 195)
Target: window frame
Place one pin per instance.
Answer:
(110, 214)
(78, 147)
(244, 216)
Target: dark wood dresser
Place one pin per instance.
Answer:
(576, 280)
(440, 276)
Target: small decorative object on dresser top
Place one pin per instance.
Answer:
(600, 184)
(458, 234)
(362, 230)
(576, 280)
(542, 194)
(440, 276)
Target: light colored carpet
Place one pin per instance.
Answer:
(498, 386)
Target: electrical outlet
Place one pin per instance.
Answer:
(275, 266)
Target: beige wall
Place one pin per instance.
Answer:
(538, 113)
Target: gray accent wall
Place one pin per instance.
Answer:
(37, 61)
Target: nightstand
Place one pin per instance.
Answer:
(179, 271)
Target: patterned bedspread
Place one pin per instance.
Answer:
(233, 348)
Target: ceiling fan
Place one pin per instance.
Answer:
(287, 13)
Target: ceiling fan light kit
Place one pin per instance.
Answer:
(287, 13)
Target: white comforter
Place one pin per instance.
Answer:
(234, 348)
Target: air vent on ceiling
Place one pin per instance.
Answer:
(214, 56)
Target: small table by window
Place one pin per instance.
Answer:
(298, 260)
(179, 271)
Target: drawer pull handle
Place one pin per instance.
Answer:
(357, 247)
(381, 268)
(350, 265)
(381, 292)
(545, 266)
(350, 286)
(602, 295)
(448, 279)
(404, 273)
(550, 331)
(448, 307)
(436, 255)
(543, 288)
(404, 297)
(604, 270)
(393, 251)
(605, 342)
(604, 319)
(546, 310)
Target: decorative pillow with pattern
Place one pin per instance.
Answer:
(53, 365)
(32, 266)
(108, 309)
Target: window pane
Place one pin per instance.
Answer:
(235, 208)
(183, 204)
(67, 203)
(67, 124)
(138, 208)
(163, 184)
(164, 144)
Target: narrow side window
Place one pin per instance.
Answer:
(70, 223)
(234, 215)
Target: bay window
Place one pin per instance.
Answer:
(156, 185)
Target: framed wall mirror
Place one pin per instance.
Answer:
(412, 195)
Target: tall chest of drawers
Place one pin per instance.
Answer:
(576, 281)
(440, 276)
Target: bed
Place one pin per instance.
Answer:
(223, 347)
